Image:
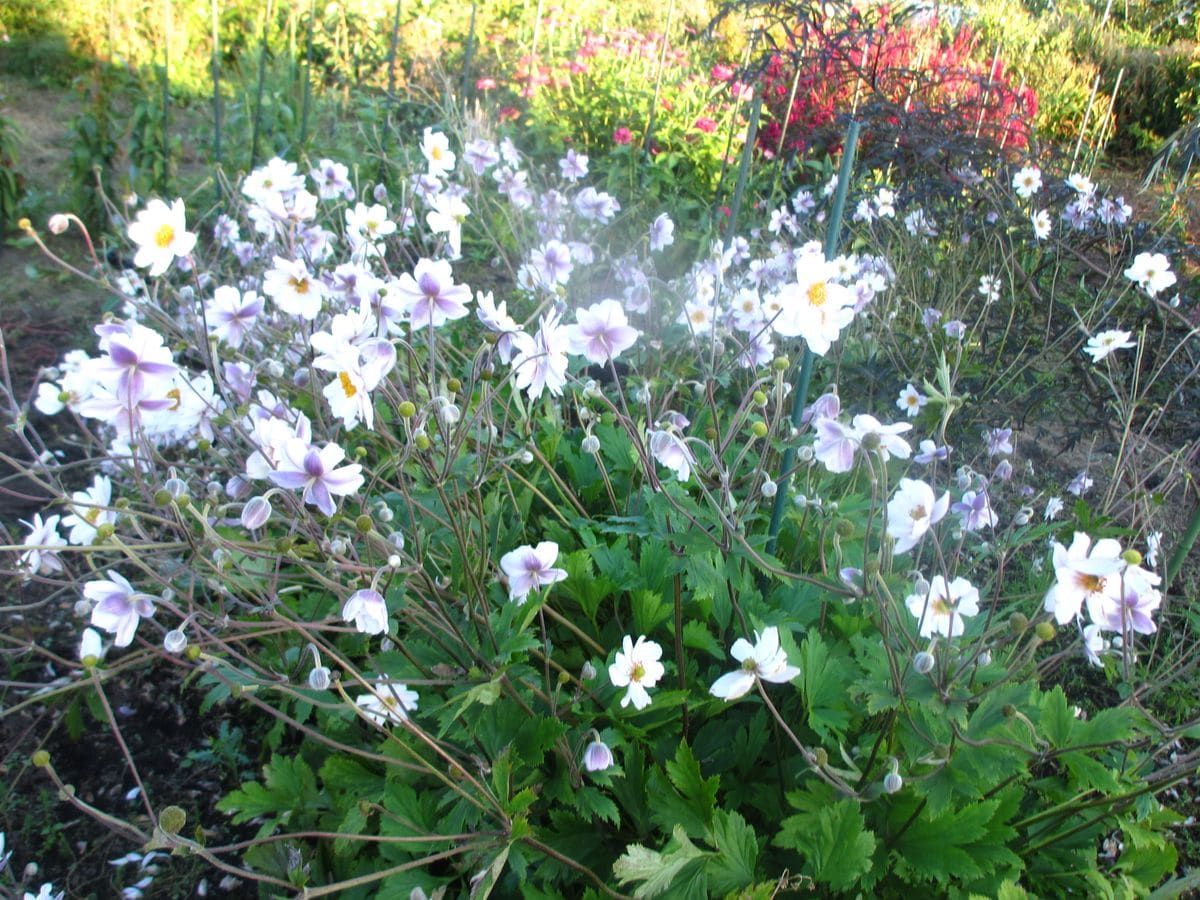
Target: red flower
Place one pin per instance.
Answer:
(708, 126)
(622, 136)
(485, 84)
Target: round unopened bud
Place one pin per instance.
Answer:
(204, 445)
(394, 561)
(710, 433)
(985, 658)
(806, 454)
(759, 429)
(255, 513)
(1045, 631)
(781, 363)
(360, 452)
(104, 531)
(1132, 557)
(175, 641)
(422, 442)
(769, 489)
(526, 457)
(58, 223)
(843, 528)
(924, 662)
(172, 819)
(591, 444)
(454, 385)
(449, 414)
(588, 672)
(407, 409)
(1018, 622)
(760, 398)
(564, 677)
(821, 757)
(193, 652)
(870, 441)
(162, 497)
(363, 524)
(24, 224)
(892, 782)
(318, 679)
(40, 758)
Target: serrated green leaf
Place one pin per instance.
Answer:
(659, 872)
(593, 804)
(823, 678)
(1057, 720)
(696, 636)
(698, 791)
(834, 841)
(737, 853)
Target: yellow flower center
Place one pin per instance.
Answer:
(165, 236)
(699, 316)
(818, 293)
(299, 285)
(175, 395)
(941, 606)
(638, 673)
(91, 516)
(917, 513)
(348, 387)
(1091, 583)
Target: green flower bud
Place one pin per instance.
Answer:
(407, 409)
(1132, 557)
(454, 385)
(781, 363)
(162, 497)
(760, 398)
(870, 441)
(363, 524)
(103, 532)
(1018, 622)
(759, 429)
(40, 758)
(422, 441)
(203, 445)
(844, 528)
(822, 758)
(192, 652)
(1045, 631)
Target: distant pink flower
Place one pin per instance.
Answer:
(485, 84)
(721, 72)
(705, 124)
(622, 136)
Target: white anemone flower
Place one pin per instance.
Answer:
(637, 668)
(763, 659)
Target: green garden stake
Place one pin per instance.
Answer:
(468, 56)
(800, 394)
(391, 89)
(166, 95)
(262, 80)
(743, 170)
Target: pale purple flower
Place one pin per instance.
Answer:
(43, 538)
(230, 314)
(118, 607)
(930, 452)
(1054, 506)
(332, 180)
(1130, 607)
(136, 363)
(430, 294)
(481, 154)
(976, 511)
(530, 568)
(602, 332)
(551, 264)
(573, 165)
(303, 465)
(955, 329)
(597, 757)
(889, 441)
(255, 513)
(497, 320)
(835, 445)
(662, 232)
(1003, 471)
(671, 451)
(596, 206)
(930, 317)
(367, 610)
(827, 406)
(999, 441)
(1080, 484)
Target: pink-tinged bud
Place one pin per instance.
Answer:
(256, 513)
(597, 757)
(58, 223)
